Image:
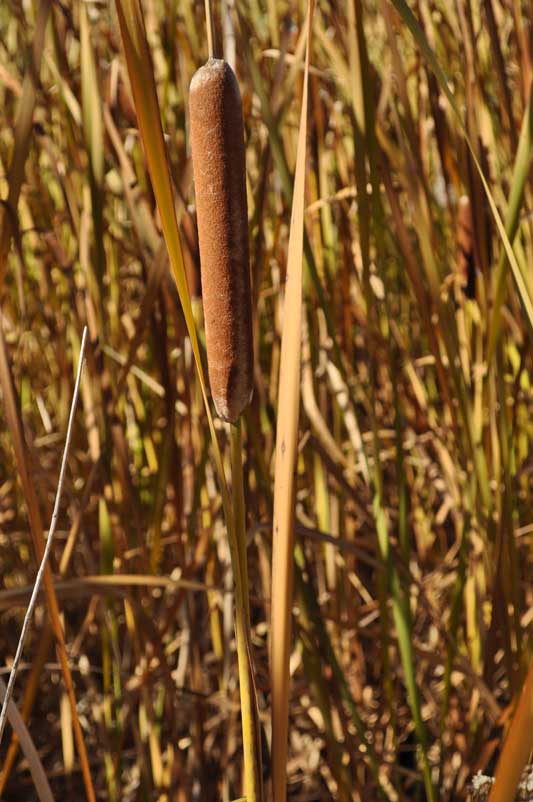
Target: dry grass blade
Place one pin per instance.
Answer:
(286, 455)
(117, 585)
(30, 693)
(38, 773)
(517, 747)
(141, 75)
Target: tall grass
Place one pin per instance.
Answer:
(395, 396)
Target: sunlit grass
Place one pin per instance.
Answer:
(402, 416)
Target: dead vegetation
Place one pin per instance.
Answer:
(413, 462)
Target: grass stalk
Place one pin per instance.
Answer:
(210, 27)
(251, 733)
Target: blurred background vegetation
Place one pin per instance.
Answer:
(413, 599)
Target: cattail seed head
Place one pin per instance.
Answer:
(218, 158)
(466, 262)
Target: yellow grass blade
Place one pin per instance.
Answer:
(286, 455)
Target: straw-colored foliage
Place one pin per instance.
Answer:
(349, 567)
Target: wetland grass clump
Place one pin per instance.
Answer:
(378, 601)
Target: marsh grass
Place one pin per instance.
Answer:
(407, 484)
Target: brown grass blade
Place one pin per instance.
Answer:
(286, 455)
(517, 747)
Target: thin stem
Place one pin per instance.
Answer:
(250, 716)
(210, 24)
(237, 495)
(48, 547)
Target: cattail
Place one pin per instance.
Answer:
(466, 262)
(218, 159)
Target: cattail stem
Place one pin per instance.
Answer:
(218, 156)
(210, 24)
(237, 492)
(251, 736)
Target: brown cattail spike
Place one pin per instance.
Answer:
(466, 261)
(218, 159)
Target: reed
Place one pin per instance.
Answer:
(218, 157)
(379, 527)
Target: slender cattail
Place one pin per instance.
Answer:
(466, 261)
(218, 159)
